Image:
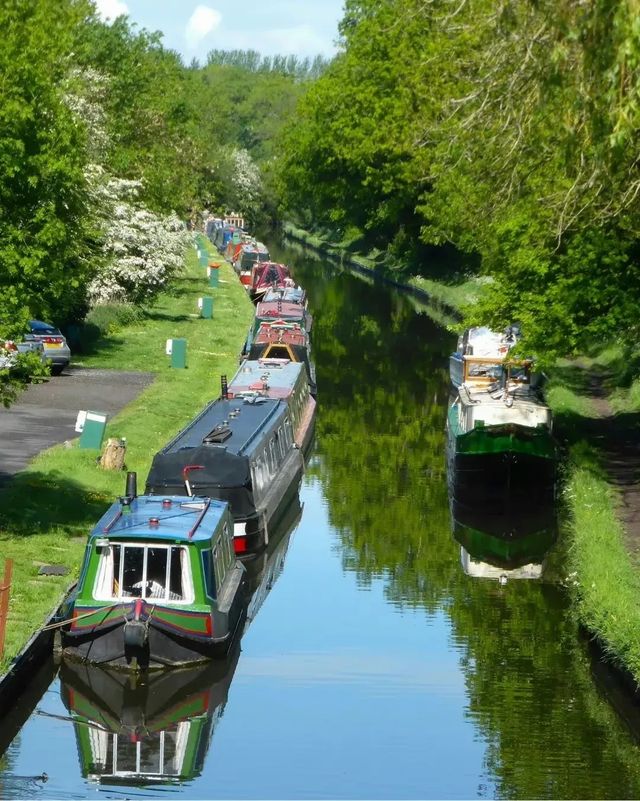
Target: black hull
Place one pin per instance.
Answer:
(503, 481)
(162, 650)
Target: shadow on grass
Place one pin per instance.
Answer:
(172, 318)
(39, 503)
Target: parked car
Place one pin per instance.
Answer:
(55, 346)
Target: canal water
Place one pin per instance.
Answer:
(373, 665)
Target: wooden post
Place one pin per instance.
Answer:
(5, 592)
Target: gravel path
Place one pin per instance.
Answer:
(46, 413)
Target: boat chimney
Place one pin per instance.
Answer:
(224, 387)
(131, 490)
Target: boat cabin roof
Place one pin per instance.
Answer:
(278, 309)
(234, 425)
(276, 378)
(281, 331)
(161, 518)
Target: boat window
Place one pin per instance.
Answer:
(153, 572)
(208, 573)
(484, 370)
(218, 567)
(288, 432)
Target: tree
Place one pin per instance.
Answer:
(43, 225)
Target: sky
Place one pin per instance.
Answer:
(298, 27)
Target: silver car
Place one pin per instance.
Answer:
(56, 350)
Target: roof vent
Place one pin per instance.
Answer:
(219, 434)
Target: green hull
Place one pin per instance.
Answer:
(507, 438)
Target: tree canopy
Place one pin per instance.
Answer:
(503, 128)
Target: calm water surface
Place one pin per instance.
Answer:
(373, 666)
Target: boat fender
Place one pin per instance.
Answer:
(135, 634)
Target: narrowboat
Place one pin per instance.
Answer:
(481, 341)
(500, 438)
(282, 379)
(282, 340)
(152, 731)
(224, 235)
(160, 585)
(264, 275)
(239, 450)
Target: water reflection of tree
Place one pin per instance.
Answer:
(383, 390)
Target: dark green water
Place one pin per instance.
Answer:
(374, 667)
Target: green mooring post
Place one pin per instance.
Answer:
(206, 310)
(179, 353)
(214, 269)
(93, 431)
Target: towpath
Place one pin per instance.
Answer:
(45, 414)
(617, 436)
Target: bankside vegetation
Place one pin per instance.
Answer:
(108, 144)
(506, 129)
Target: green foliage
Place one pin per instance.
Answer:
(504, 129)
(27, 367)
(43, 223)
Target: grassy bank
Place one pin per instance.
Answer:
(446, 297)
(603, 574)
(47, 510)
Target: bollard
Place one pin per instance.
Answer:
(91, 426)
(178, 352)
(213, 270)
(206, 308)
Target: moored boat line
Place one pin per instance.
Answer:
(159, 589)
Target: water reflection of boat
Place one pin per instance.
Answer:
(265, 569)
(155, 730)
(496, 545)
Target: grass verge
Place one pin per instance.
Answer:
(601, 575)
(48, 509)
(603, 581)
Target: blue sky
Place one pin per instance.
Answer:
(300, 27)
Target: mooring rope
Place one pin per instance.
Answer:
(79, 617)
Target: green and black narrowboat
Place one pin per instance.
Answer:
(160, 586)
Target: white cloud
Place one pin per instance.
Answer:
(111, 9)
(202, 22)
